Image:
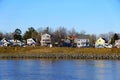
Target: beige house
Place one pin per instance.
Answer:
(100, 43)
(45, 39)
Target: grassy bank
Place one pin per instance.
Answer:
(59, 50)
(59, 53)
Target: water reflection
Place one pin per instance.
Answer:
(59, 70)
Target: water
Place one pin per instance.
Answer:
(59, 70)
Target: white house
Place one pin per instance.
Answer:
(117, 43)
(82, 42)
(31, 42)
(100, 43)
(10, 42)
(4, 42)
(16, 42)
(45, 39)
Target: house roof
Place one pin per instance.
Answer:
(83, 36)
(32, 39)
(105, 40)
(45, 34)
(72, 37)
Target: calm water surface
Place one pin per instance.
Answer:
(59, 70)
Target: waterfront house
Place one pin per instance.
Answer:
(82, 41)
(31, 42)
(117, 43)
(10, 42)
(72, 40)
(45, 39)
(15, 42)
(4, 42)
(101, 43)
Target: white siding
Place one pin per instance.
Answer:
(45, 39)
(82, 42)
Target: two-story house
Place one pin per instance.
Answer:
(82, 41)
(45, 39)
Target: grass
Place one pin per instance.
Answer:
(59, 50)
(58, 53)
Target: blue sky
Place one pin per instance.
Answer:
(92, 16)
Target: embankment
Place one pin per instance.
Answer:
(59, 53)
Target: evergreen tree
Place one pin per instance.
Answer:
(17, 34)
(1, 36)
(115, 37)
(31, 33)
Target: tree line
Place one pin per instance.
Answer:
(56, 35)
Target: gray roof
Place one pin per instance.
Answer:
(83, 37)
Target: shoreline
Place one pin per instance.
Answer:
(60, 56)
(59, 53)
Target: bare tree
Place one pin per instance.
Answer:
(82, 32)
(92, 39)
(107, 36)
(60, 33)
(72, 32)
(8, 35)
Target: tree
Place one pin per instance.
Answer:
(115, 37)
(82, 32)
(60, 33)
(47, 30)
(8, 35)
(72, 32)
(92, 39)
(17, 34)
(31, 33)
(107, 36)
(1, 35)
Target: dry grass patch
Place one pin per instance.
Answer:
(58, 50)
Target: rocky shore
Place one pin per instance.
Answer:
(61, 56)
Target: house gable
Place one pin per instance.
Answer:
(45, 36)
(30, 41)
(100, 42)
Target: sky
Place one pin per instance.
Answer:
(91, 16)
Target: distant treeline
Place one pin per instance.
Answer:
(57, 35)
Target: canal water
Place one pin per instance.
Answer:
(59, 70)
